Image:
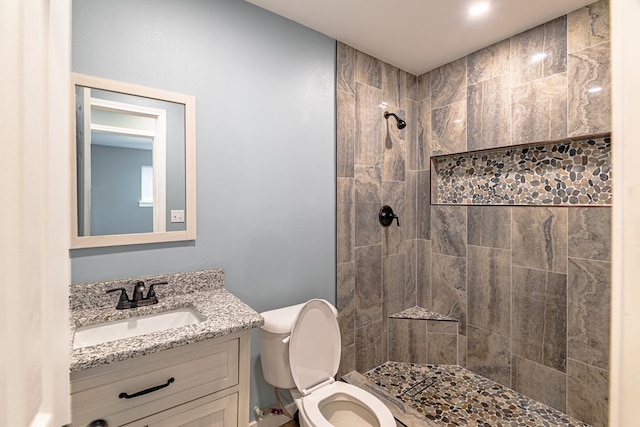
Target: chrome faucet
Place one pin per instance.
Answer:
(138, 300)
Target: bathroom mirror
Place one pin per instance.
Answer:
(133, 164)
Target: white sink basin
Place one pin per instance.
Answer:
(112, 331)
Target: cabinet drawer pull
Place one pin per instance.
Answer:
(149, 390)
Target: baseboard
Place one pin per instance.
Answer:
(274, 420)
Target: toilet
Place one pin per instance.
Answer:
(300, 351)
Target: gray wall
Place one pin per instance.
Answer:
(265, 99)
(175, 185)
(530, 285)
(115, 175)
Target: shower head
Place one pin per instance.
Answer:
(401, 123)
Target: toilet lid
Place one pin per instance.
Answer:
(314, 348)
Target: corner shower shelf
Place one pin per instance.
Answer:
(419, 313)
(568, 172)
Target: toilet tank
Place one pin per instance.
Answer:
(274, 354)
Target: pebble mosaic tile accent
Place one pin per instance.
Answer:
(570, 173)
(420, 313)
(450, 395)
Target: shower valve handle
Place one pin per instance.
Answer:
(386, 216)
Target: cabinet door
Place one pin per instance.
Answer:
(204, 412)
(198, 370)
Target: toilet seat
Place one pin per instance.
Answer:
(314, 357)
(314, 347)
(313, 402)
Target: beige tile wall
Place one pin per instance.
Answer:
(529, 285)
(377, 164)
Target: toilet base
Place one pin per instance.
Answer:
(300, 419)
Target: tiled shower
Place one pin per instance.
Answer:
(529, 285)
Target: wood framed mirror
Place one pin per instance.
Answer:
(133, 164)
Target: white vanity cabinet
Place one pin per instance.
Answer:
(199, 384)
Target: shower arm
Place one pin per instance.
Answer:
(401, 123)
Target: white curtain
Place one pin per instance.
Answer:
(34, 213)
(625, 292)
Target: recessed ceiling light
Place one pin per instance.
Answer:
(479, 9)
(594, 89)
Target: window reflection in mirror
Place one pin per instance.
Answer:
(133, 165)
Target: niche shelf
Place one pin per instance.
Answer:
(568, 172)
(420, 313)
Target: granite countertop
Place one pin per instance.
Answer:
(202, 291)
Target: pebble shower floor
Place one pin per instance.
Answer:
(450, 395)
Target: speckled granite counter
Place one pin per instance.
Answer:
(202, 291)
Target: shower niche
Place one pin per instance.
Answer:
(567, 172)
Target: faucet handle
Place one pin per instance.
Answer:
(152, 291)
(138, 291)
(124, 298)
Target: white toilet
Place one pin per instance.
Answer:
(300, 351)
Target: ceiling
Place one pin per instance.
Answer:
(419, 35)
